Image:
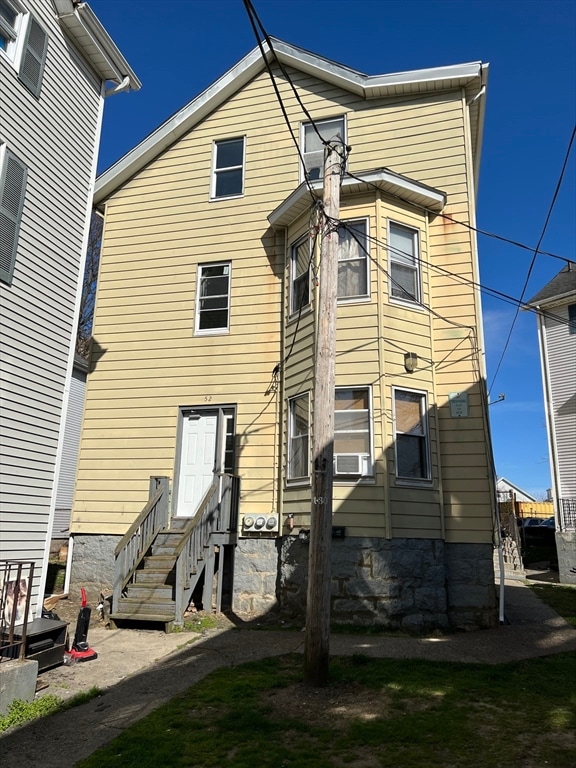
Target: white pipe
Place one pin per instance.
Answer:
(123, 86)
(68, 565)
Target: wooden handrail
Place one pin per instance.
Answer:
(137, 540)
(139, 520)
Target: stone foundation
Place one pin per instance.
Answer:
(93, 563)
(408, 584)
(255, 583)
(470, 585)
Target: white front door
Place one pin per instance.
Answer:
(197, 461)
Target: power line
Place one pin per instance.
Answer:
(461, 223)
(466, 281)
(533, 261)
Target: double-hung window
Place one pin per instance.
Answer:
(12, 190)
(298, 438)
(10, 21)
(353, 259)
(352, 433)
(412, 441)
(404, 259)
(313, 148)
(300, 264)
(228, 168)
(24, 42)
(213, 298)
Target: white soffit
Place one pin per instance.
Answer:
(408, 190)
(94, 43)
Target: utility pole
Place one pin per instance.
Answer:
(317, 640)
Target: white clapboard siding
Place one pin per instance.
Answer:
(561, 354)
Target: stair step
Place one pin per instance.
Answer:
(160, 562)
(152, 617)
(168, 537)
(149, 591)
(139, 605)
(159, 576)
(179, 523)
(163, 549)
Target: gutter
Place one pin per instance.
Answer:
(96, 45)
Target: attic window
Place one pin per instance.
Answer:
(227, 168)
(314, 148)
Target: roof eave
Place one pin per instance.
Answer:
(408, 190)
(95, 44)
(184, 120)
(552, 301)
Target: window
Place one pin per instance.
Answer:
(353, 260)
(314, 149)
(571, 318)
(213, 298)
(412, 447)
(12, 190)
(228, 168)
(10, 21)
(404, 263)
(352, 438)
(24, 42)
(300, 275)
(298, 437)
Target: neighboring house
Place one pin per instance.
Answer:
(507, 491)
(202, 368)
(70, 448)
(555, 306)
(55, 61)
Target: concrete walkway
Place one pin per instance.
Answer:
(140, 670)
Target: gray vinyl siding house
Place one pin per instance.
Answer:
(56, 61)
(70, 447)
(555, 305)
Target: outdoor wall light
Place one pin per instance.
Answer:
(410, 361)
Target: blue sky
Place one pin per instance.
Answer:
(178, 48)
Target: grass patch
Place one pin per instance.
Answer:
(20, 712)
(559, 597)
(201, 623)
(375, 713)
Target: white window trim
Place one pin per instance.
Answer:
(294, 311)
(414, 481)
(415, 303)
(370, 475)
(319, 123)
(212, 331)
(365, 297)
(13, 52)
(305, 479)
(214, 171)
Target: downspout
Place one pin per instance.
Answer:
(123, 86)
(473, 167)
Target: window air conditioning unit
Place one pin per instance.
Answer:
(260, 524)
(350, 464)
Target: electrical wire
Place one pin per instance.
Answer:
(504, 297)
(457, 221)
(536, 251)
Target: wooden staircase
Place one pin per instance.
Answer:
(161, 560)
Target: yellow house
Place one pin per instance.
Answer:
(202, 371)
